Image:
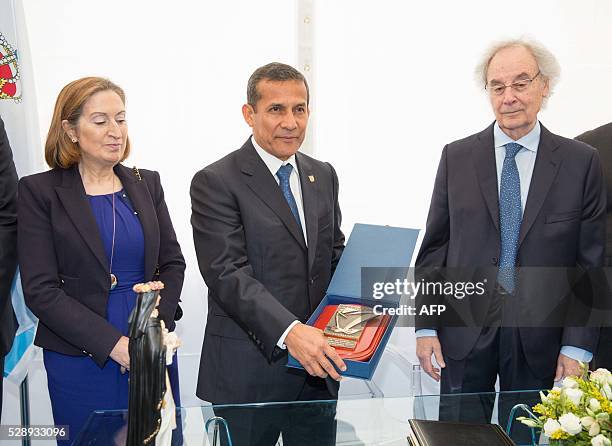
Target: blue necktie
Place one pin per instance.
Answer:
(283, 175)
(510, 216)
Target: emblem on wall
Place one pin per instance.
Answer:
(10, 86)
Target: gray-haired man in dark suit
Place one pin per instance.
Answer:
(513, 195)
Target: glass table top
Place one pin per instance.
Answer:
(360, 421)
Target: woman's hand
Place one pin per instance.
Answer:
(120, 352)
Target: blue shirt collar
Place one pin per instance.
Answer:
(530, 141)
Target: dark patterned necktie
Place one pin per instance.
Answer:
(283, 175)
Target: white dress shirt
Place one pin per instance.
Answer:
(273, 164)
(525, 158)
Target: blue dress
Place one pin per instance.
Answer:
(77, 385)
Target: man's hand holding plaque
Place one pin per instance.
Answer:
(309, 346)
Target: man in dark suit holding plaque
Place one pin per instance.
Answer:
(513, 195)
(601, 139)
(266, 227)
(8, 247)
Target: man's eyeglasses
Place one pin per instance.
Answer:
(518, 86)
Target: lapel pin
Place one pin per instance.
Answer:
(311, 178)
(137, 173)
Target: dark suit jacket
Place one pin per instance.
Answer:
(259, 272)
(64, 269)
(563, 226)
(601, 139)
(8, 241)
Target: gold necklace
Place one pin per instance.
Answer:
(113, 278)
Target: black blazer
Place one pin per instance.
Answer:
(601, 139)
(64, 270)
(8, 241)
(259, 272)
(563, 226)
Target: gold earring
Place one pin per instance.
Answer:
(74, 140)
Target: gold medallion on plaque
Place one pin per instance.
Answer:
(346, 325)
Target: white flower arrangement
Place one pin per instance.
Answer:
(579, 413)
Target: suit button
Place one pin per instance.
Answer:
(311, 281)
(494, 261)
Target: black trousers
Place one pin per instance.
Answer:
(300, 424)
(603, 354)
(498, 352)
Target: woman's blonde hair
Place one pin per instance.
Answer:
(60, 151)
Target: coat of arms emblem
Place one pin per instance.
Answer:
(10, 87)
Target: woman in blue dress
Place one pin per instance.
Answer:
(89, 229)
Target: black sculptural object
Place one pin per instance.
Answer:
(147, 367)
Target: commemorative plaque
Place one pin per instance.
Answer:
(348, 315)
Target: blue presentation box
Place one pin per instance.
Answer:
(385, 248)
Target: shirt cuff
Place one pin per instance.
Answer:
(421, 333)
(281, 341)
(576, 353)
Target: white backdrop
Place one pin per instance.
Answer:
(392, 83)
